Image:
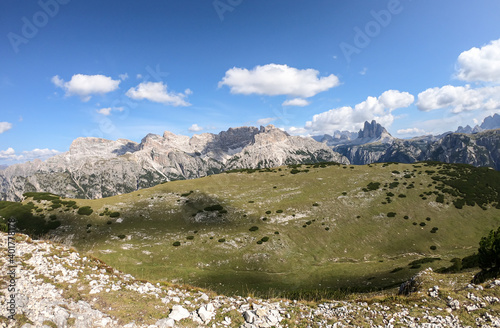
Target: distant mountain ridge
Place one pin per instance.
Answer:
(95, 168)
(489, 123)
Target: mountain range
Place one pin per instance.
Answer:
(96, 168)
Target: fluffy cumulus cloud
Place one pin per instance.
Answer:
(5, 126)
(301, 102)
(353, 118)
(107, 111)
(157, 92)
(11, 155)
(411, 131)
(195, 128)
(459, 99)
(86, 85)
(480, 64)
(274, 79)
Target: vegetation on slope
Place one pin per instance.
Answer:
(325, 228)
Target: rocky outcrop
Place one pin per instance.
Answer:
(55, 286)
(95, 168)
(479, 149)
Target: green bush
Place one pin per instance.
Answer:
(85, 210)
(254, 228)
(123, 237)
(391, 214)
(279, 211)
(265, 239)
(190, 237)
(176, 243)
(114, 214)
(109, 222)
(373, 186)
(433, 248)
(402, 196)
(222, 240)
(315, 204)
(268, 212)
(216, 207)
(489, 251)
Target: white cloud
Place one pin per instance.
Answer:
(123, 77)
(301, 102)
(195, 128)
(274, 79)
(352, 119)
(411, 131)
(5, 126)
(107, 111)
(480, 64)
(298, 131)
(157, 92)
(86, 85)
(363, 71)
(265, 121)
(459, 99)
(139, 76)
(10, 154)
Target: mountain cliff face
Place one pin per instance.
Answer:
(95, 168)
(479, 149)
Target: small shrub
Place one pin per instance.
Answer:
(315, 204)
(222, 240)
(114, 214)
(402, 196)
(279, 211)
(254, 228)
(213, 208)
(406, 217)
(176, 243)
(396, 270)
(85, 210)
(265, 239)
(327, 228)
(422, 224)
(427, 219)
(52, 217)
(276, 232)
(373, 185)
(433, 248)
(268, 212)
(259, 242)
(391, 214)
(190, 237)
(109, 222)
(121, 236)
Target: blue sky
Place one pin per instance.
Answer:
(122, 69)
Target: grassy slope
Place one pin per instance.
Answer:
(360, 249)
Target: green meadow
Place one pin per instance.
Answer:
(319, 229)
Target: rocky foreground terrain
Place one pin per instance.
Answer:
(56, 286)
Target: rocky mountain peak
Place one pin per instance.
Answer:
(491, 122)
(98, 147)
(372, 130)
